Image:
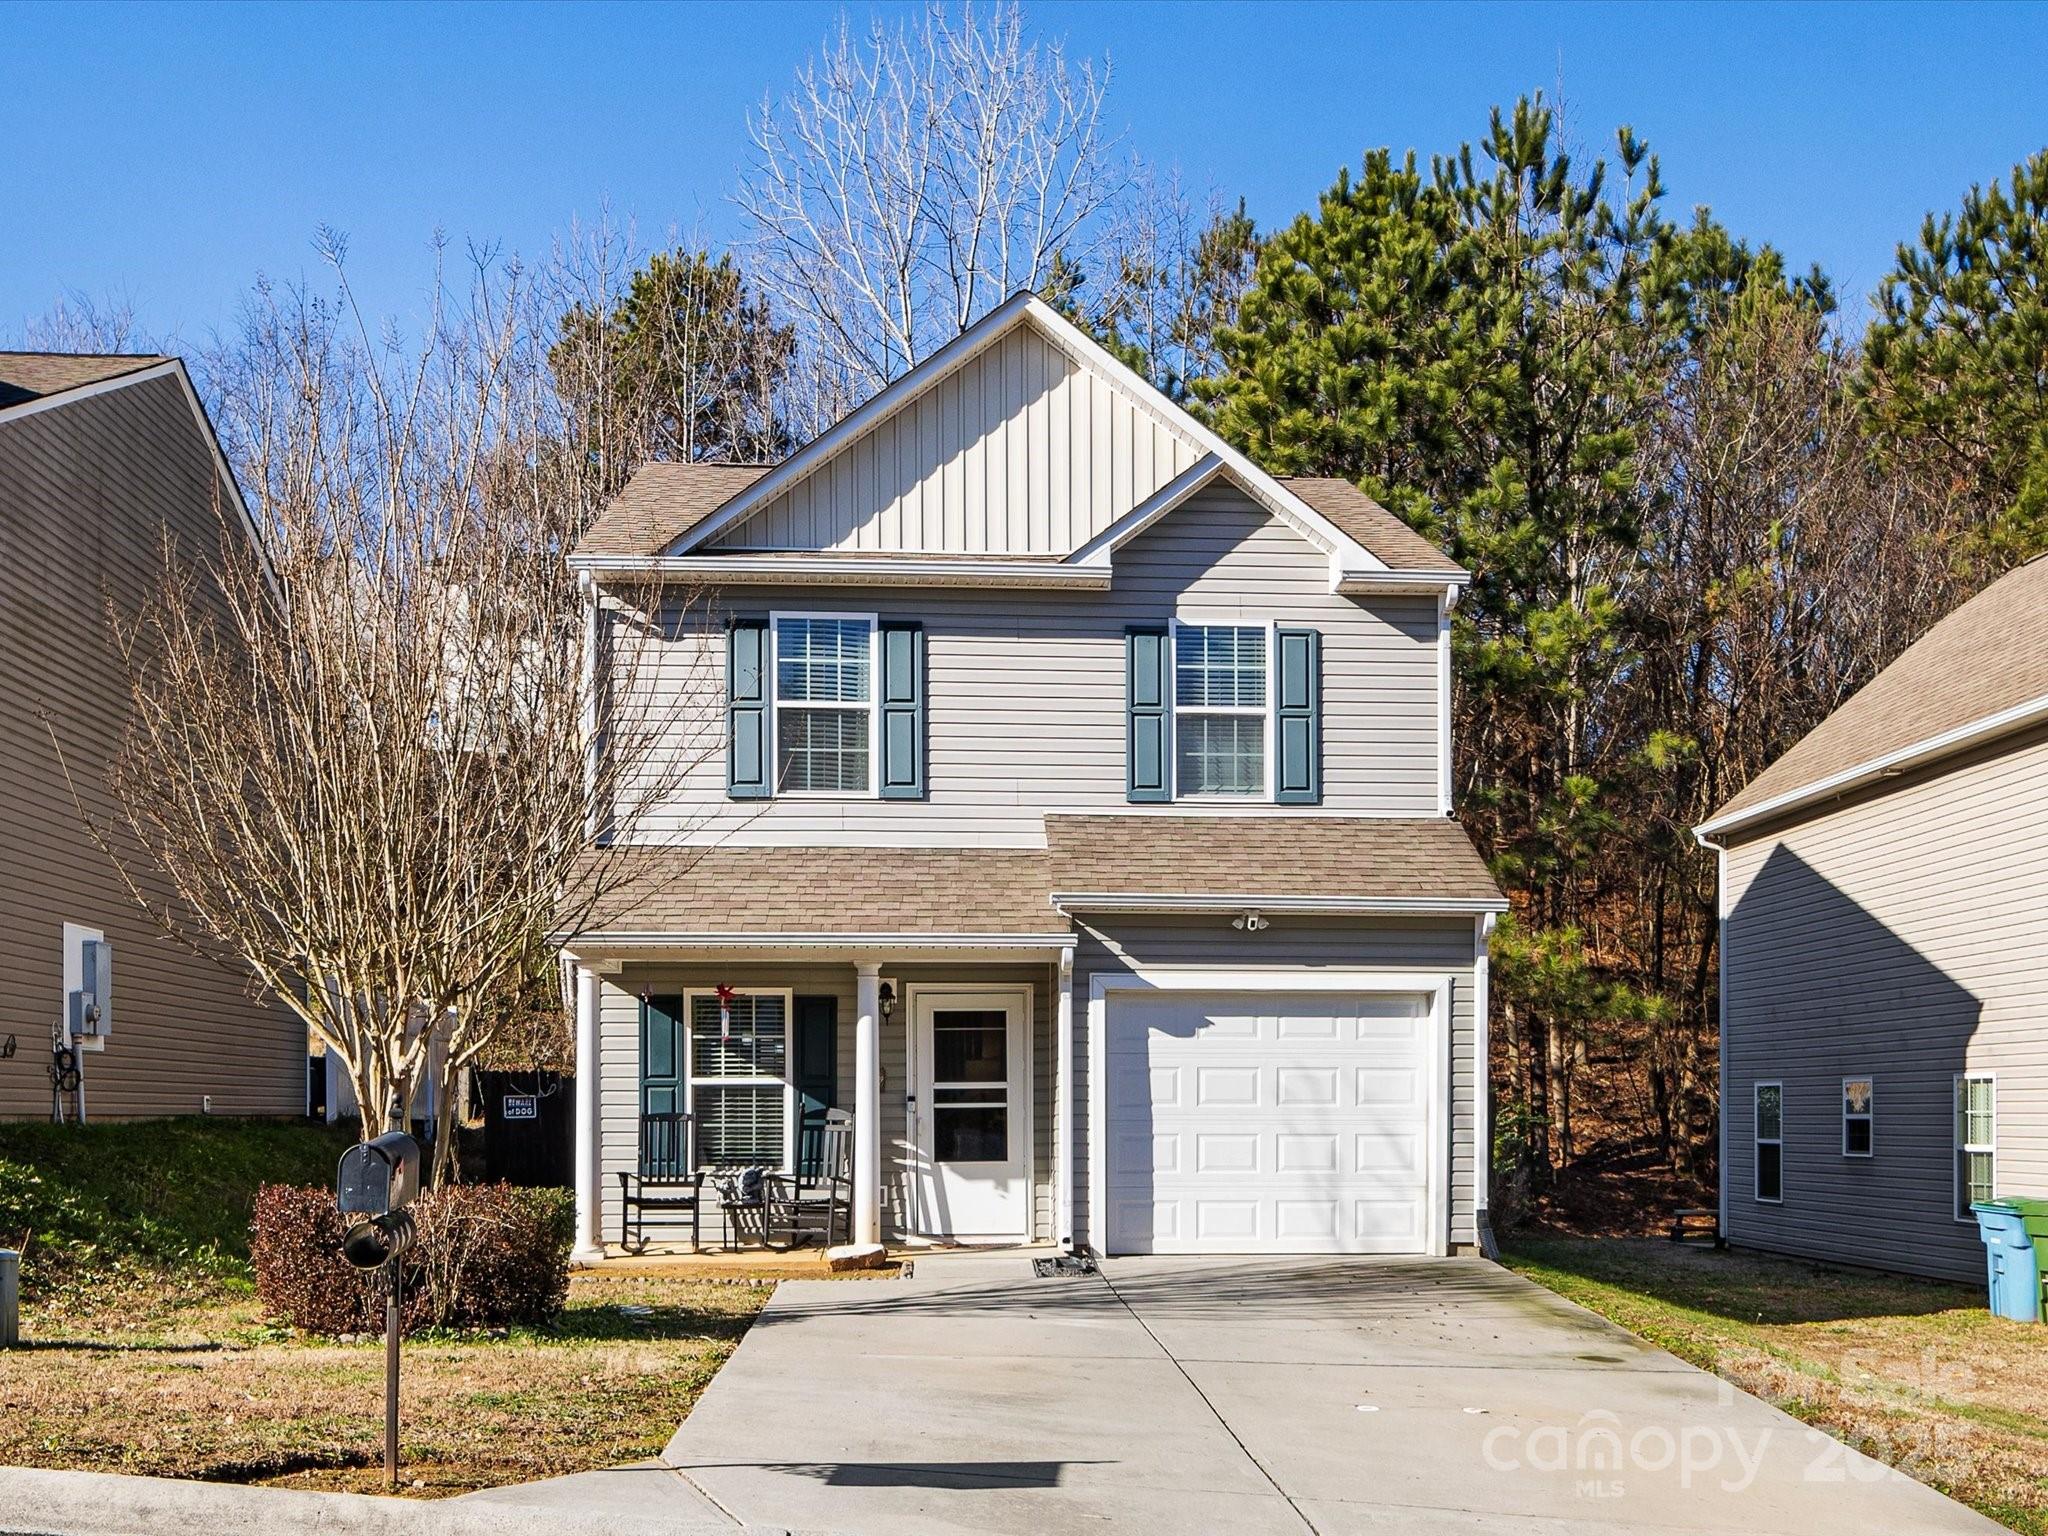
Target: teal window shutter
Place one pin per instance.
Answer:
(902, 710)
(1147, 761)
(661, 1065)
(746, 709)
(1298, 718)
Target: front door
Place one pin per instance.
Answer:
(972, 1113)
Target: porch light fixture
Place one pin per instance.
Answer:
(887, 997)
(1250, 921)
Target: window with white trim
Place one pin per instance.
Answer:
(1976, 1141)
(1221, 705)
(1770, 1142)
(824, 704)
(742, 1102)
(1859, 1116)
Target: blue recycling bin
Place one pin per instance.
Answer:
(2014, 1264)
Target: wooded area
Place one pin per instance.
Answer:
(1702, 502)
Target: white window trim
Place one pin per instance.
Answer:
(1268, 769)
(1869, 1115)
(786, 1082)
(1957, 1119)
(1758, 1139)
(775, 706)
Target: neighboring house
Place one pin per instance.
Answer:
(1884, 955)
(1082, 824)
(101, 459)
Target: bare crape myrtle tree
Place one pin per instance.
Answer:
(384, 765)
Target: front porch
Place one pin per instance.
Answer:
(948, 1058)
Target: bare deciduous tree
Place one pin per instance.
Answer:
(913, 179)
(370, 762)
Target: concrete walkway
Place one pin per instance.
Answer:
(1248, 1396)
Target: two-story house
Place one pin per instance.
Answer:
(104, 460)
(1082, 825)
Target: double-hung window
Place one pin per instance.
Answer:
(1770, 1141)
(824, 704)
(1222, 704)
(742, 1105)
(1976, 1141)
(1859, 1116)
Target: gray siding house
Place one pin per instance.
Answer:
(1077, 817)
(101, 460)
(1884, 955)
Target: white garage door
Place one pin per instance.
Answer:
(1268, 1122)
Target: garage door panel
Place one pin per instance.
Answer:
(1282, 1123)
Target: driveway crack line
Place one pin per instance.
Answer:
(1307, 1524)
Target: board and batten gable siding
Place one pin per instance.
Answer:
(1903, 935)
(88, 491)
(1025, 706)
(619, 1070)
(1207, 940)
(1019, 451)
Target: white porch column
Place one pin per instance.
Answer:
(589, 1133)
(867, 1103)
(1063, 1105)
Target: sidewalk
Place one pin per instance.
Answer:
(40, 1503)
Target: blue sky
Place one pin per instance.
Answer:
(170, 154)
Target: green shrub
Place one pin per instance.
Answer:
(86, 1202)
(487, 1256)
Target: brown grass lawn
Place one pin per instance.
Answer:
(1912, 1372)
(141, 1377)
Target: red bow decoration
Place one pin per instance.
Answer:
(725, 995)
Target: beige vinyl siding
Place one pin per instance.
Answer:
(1026, 690)
(619, 1084)
(88, 491)
(1019, 451)
(1445, 946)
(1903, 935)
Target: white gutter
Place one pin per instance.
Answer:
(857, 570)
(588, 943)
(1069, 902)
(2018, 717)
(1402, 583)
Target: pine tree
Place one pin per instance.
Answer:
(1955, 377)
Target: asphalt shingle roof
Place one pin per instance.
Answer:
(939, 891)
(26, 376)
(1989, 656)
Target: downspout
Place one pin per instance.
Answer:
(1063, 1114)
(1720, 853)
(1482, 1085)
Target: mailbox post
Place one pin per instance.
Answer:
(377, 1180)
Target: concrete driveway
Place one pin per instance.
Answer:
(1250, 1396)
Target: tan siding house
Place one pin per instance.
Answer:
(101, 460)
(1069, 803)
(1884, 909)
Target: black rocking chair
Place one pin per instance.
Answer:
(663, 1180)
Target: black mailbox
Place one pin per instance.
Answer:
(378, 1177)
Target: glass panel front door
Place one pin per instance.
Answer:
(972, 1112)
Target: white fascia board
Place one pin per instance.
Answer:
(1097, 551)
(954, 354)
(1445, 584)
(1388, 906)
(1947, 743)
(1346, 553)
(1347, 556)
(845, 570)
(590, 943)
